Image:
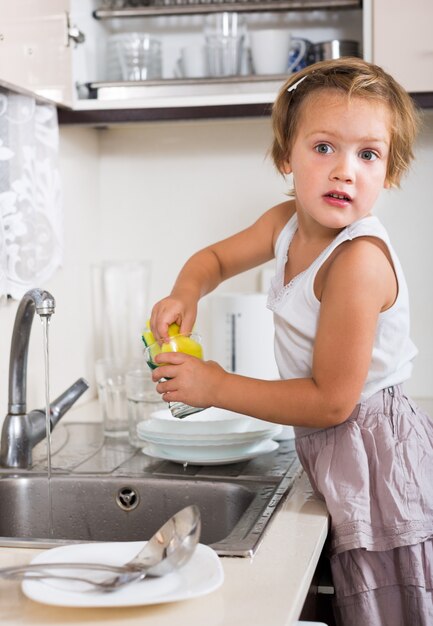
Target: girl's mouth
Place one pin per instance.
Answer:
(339, 196)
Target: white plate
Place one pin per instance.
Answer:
(198, 457)
(227, 441)
(201, 575)
(211, 424)
(209, 451)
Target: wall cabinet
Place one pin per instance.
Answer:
(403, 43)
(37, 52)
(35, 49)
(176, 22)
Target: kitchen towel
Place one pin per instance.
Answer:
(31, 246)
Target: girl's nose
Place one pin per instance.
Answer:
(343, 170)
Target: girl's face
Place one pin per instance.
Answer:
(339, 158)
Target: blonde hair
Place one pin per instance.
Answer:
(356, 78)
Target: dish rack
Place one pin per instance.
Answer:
(143, 8)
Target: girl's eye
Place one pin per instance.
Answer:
(323, 148)
(368, 155)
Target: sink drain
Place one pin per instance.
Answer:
(127, 498)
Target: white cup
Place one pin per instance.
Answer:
(192, 62)
(270, 50)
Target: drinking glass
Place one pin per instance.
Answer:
(120, 300)
(110, 379)
(142, 399)
(224, 43)
(139, 56)
(224, 54)
(188, 343)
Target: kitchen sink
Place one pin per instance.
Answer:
(115, 493)
(121, 509)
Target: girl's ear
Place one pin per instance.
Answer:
(286, 168)
(387, 184)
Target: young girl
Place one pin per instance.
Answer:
(344, 129)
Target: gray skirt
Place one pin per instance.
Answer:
(375, 473)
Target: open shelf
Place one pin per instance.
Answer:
(196, 7)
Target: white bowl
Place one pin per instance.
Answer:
(209, 425)
(227, 440)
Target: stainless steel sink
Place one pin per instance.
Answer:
(134, 495)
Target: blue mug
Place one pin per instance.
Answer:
(306, 59)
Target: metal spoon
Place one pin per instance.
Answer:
(168, 549)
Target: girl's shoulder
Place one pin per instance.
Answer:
(366, 243)
(364, 258)
(361, 241)
(279, 217)
(367, 226)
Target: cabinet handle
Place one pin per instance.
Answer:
(73, 32)
(76, 35)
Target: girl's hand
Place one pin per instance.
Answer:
(191, 380)
(172, 310)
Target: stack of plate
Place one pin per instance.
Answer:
(212, 437)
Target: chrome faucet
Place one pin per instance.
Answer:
(21, 430)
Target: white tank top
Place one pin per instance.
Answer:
(296, 313)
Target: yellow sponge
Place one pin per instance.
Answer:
(149, 338)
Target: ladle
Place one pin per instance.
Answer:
(168, 549)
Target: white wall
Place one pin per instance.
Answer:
(160, 191)
(70, 328)
(408, 216)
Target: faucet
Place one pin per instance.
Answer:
(21, 430)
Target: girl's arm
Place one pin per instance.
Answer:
(206, 269)
(358, 285)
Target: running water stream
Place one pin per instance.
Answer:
(45, 319)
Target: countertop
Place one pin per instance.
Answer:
(269, 588)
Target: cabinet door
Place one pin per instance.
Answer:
(403, 42)
(35, 54)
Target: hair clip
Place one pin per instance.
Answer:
(295, 85)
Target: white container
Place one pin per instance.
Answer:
(191, 62)
(270, 50)
(242, 334)
(242, 338)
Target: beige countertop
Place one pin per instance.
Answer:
(269, 588)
